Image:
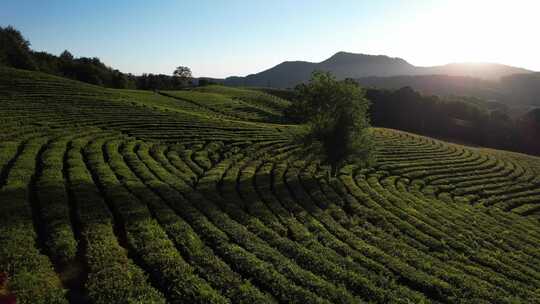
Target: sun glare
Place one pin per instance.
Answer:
(473, 31)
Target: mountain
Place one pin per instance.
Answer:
(350, 65)
(283, 75)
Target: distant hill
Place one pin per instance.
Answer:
(486, 71)
(284, 75)
(441, 85)
(350, 65)
(525, 88)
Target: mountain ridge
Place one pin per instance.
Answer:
(356, 65)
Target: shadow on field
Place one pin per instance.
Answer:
(124, 205)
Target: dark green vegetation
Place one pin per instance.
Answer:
(461, 119)
(114, 196)
(15, 52)
(335, 115)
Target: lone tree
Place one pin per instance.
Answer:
(182, 75)
(336, 117)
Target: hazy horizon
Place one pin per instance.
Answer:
(237, 38)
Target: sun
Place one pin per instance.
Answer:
(474, 31)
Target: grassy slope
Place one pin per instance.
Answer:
(240, 103)
(200, 201)
(250, 96)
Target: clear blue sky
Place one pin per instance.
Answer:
(238, 37)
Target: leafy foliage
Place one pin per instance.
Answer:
(183, 75)
(336, 115)
(15, 50)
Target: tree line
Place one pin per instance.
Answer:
(460, 119)
(15, 52)
(524, 88)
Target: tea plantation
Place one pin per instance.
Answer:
(199, 196)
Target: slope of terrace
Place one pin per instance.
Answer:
(111, 196)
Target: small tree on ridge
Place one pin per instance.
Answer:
(183, 75)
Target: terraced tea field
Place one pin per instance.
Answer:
(112, 196)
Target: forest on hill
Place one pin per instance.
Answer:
(15, 52)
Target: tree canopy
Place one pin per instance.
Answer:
(15, 50)
(336, 116)
(182, 74)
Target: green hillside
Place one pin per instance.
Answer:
(250, 96)
(241, 104)
(118, 196)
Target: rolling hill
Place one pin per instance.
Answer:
(350, 65)
(119, 196)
